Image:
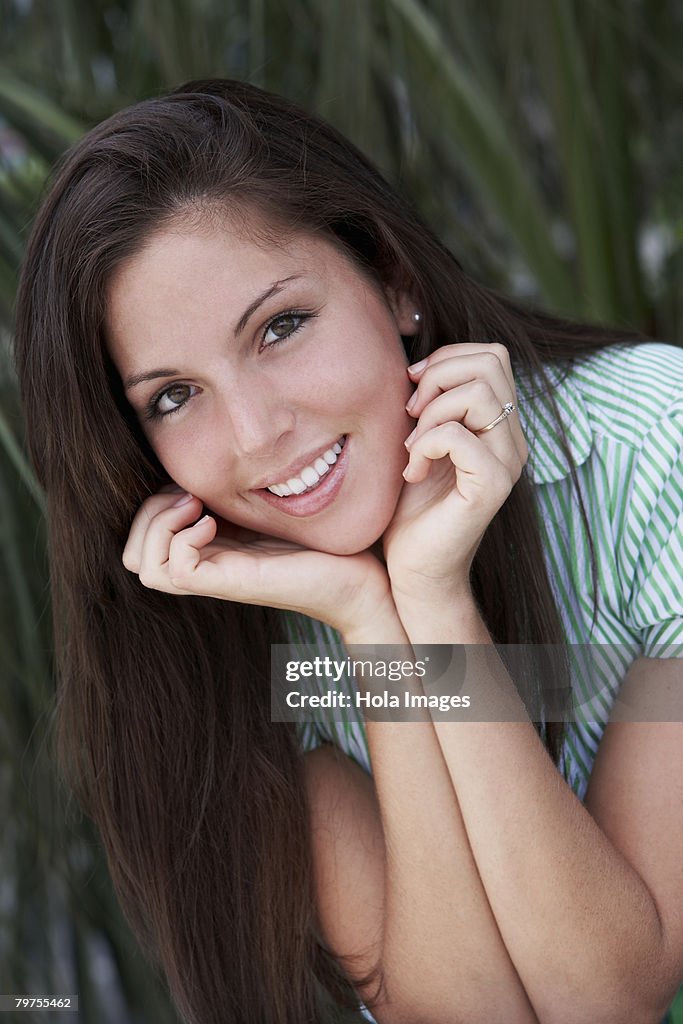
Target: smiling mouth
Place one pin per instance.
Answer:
(310, 476)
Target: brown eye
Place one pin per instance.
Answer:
(177, 392)
(284, 326)
(172, 399)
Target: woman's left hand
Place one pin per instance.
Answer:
(456, 480)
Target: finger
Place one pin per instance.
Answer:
(448, 373)
(445, 352)
(132, 552)
(478, 471)
(445, 374)
(473, 404)
(465, 348)
(187, 570)
(236, 578)
(162, 529)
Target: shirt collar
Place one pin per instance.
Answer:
(547, 462)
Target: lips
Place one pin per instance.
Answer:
(294, 468)
(315, 500)
(309, 477)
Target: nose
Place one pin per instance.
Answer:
(258, 416)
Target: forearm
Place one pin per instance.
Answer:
(441, 941)
(578, 921)
(442, 953)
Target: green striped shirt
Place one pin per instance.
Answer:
(622, 410)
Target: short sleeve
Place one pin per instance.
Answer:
(650, 547)
(308, 736)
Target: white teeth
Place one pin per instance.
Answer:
(310, 475)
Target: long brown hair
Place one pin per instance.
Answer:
(163, 726)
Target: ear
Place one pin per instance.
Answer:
(403, 307)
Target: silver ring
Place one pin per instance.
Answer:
(508, 409)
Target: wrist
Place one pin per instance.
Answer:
(374, 620)
(413, 591)
(449, 617)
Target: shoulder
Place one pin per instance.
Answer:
(615, 397)
(348, 856)
(627, 390)
(342, 799)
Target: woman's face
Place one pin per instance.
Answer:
(248, 362)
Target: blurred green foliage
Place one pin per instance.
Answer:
(542, 138)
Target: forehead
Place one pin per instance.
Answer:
(195, 268)
(190, 276)
(178, 256)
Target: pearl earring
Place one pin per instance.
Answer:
(417, 318)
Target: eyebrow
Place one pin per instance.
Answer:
(140, 378)
(275, 287)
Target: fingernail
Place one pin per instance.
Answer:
(406, 473)
(411, 401)
(202, 520)
(182, 500)
(410, 438)
(416, 367)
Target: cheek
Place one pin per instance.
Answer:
(190, 462)
(371, 381)
(385, 395)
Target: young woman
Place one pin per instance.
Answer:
(265, 401)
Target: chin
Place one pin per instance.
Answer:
(352, 547)
(361, 534)
(353, 541)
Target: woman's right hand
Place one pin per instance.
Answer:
(215, 558)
